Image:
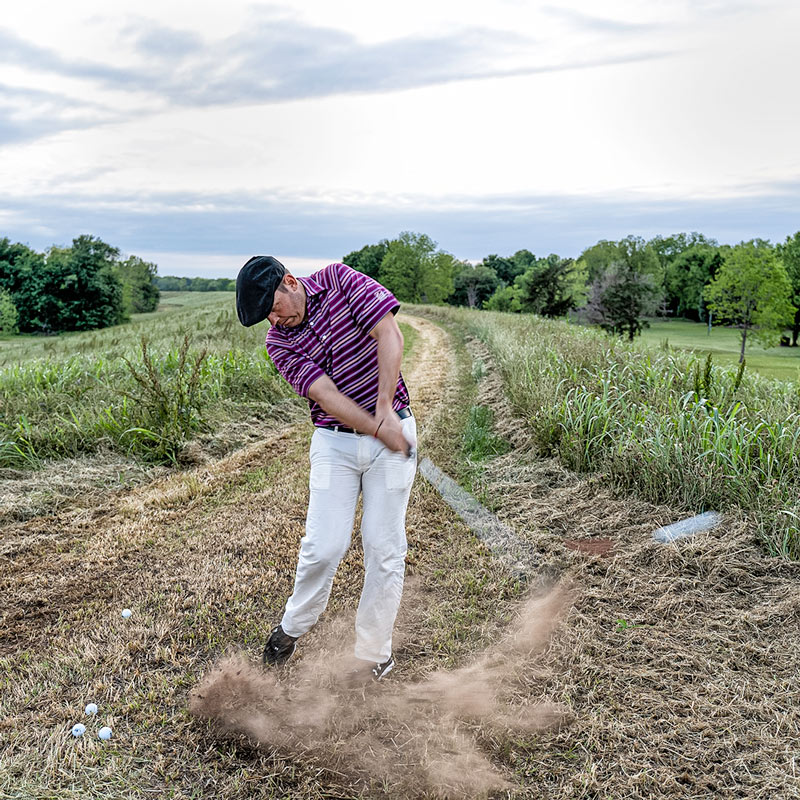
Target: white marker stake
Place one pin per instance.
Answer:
(688, 527)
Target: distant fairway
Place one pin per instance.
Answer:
(724, 344)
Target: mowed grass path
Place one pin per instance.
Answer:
(724, 344)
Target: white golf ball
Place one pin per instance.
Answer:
(78, 730)
(104, 733)
(126, 612)
(91, 709)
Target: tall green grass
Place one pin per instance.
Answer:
(143, 389)
(671, 426)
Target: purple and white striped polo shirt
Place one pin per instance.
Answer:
(342, 307)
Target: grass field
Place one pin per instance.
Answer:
(724, 344)
(144, 388)
(202, 314)
(674, 669)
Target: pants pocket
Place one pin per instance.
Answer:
(399, 472)
(320, 477)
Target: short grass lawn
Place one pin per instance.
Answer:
(725, 344)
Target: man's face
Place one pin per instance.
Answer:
(289, 303)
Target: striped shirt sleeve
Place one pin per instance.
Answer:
(298, 369)
(368, 300)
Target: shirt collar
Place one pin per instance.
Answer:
(312, 287)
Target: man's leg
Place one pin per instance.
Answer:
(386, 486)
(335, 482)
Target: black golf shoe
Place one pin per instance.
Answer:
(280, 647)
(380, 671)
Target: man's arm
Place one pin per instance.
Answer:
(390, 353)
(324, 392)
(385, 424)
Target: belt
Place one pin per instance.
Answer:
(402, 413)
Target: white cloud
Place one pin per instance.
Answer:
(699, 105)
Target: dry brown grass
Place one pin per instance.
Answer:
(407, 738)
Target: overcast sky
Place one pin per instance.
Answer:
(198, 134)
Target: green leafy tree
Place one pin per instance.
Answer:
(472, 285)
(414, 271)
(640, 257)
(627, 291)
(437, 277)
(8, 313)
(549, 286)
(77, 289)
(619, 300)
(598, 258)
(686, 277)
(668, 250)
(752, 291)
(546, 287)
(18, 266)
(505, 298)
(523, 260)
(506, 269)
(368, 259)
(139, 290)
(172, 283)
(789, 253)
(71, 288)
(578, 282)
(402, 266)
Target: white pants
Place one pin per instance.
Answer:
(342, 466)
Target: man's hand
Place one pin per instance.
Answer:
(390, 431)
(324, 392)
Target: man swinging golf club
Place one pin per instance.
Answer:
(336, 341)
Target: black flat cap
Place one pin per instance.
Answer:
(255, 288)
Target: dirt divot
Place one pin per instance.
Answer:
(406, 738)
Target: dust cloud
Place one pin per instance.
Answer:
(406, 739)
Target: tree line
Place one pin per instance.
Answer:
(753, 285)
(77, 288)
(173, 283)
